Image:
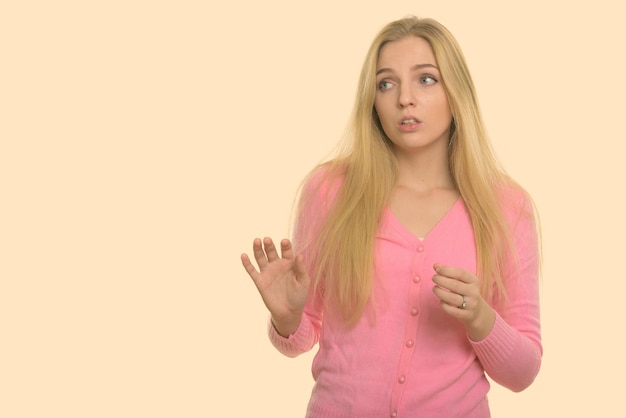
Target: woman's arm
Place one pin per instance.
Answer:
(505, 336)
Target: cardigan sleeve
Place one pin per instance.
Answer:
(305, 337)
(511, 353)
(313, 208)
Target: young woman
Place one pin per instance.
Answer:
(415, 257)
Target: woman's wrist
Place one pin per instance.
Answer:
(480, 327)
(286, 327)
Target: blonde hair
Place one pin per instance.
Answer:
(365, 171)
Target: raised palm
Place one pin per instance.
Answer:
(281, 280)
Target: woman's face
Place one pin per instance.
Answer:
(410, 98)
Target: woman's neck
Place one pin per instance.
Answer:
(425, 171)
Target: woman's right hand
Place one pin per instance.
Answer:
(282, 282)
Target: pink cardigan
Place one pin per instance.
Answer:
(411, 358)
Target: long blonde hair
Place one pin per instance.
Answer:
(366, 171)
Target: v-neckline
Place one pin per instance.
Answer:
(412, 237)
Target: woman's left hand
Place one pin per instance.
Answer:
(459, 293)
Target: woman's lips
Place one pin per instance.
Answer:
(409, 124)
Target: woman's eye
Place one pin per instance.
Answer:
(428, 79)
(384, 85)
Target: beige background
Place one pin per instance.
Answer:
(144, 144)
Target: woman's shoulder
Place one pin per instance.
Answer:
(515, 201)
(316, 197)
(324, 180)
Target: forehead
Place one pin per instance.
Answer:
(406, 52)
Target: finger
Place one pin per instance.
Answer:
(450, 298)
(455, 273)
(270, 249)
(247, 264)
(259, 254)
(286, 249)
(449, 284)
(455, 311)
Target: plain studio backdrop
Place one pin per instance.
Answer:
(145, 144)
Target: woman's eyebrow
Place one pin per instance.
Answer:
(413, 68)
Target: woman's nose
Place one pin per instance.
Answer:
(407, 97)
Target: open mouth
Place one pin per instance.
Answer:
(411, 121)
